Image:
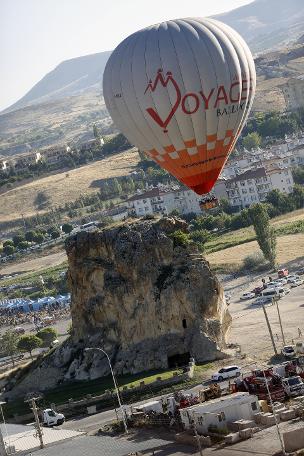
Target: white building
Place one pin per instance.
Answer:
(163, 202)
(253, 185)
(218, 412)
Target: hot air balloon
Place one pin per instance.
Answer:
(181, 91)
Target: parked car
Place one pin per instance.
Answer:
(226, 372)
(292, 277)
(19, 330)
(52, 418)
(271, 293)
(288, 351)
(300, 271)
(296, 283)
(261, 300)
(257, 290)
(248, 295)
(282, 281)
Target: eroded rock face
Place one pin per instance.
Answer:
(144, 300)
(147, 302)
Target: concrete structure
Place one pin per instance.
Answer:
(294, 440)
(293, 92)
(218, 412)
(164, 201)
(117, 213)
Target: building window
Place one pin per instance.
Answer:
(288, 181)
(242, 184)
(184, 323)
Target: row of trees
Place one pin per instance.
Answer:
(11, 343)
(271, 124)
(23, 241)
(257, 216)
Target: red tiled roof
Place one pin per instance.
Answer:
(250, 174)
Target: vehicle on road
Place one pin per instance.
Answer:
(262, 300)
(54, 343)
(257, 290)
(292, 277)
(281, 282)
(226, 372)
(300, 348)
(271, 293)
(293, 386)
(248, 295)
(296, 283)
(289, 351)
(52, 418)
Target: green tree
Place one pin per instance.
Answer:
(38, 238)
(116, 187)
(47, 336)
(9, 249)
(28, 343)
(175, 213)
(17, 239)
(180, 238)
(264, 232)
(252, 140)
(200, 237)
(8, 242)
(96, 132)
(9, 344)
(24, 245)
(298, 196)
(42, 200)
(30, 235)
(55, 233)
(298, 175)
(67, 228)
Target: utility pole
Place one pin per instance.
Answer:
(3, 451)
(279, 315)
(38, 427)
(197, 438)
(270, 331)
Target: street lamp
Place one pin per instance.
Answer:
(114, 381)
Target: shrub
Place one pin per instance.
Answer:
(254, 262)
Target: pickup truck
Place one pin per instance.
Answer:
(293, 386)
(52, 418)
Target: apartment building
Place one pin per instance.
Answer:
(253, 185)
(162, 201)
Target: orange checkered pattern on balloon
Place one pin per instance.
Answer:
(197, 165)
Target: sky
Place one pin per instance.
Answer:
(37, 35)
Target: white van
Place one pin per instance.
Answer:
(271, 293)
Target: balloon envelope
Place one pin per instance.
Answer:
(181, 91)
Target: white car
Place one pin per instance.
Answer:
(247, 295)
(292, 277)
(226, 372)
(281, 281)
(261, 300)
(289, 351)
(296, 283)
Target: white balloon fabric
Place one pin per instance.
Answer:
(181, 91)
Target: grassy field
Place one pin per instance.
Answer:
(78, 390)
(291, 223)
(61, 189)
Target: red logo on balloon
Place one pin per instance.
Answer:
(164, 82)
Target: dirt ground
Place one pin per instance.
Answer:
(65, 186)
(249, 327)
(34, 264)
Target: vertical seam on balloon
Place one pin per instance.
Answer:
(215, 74)
(199, 77)
(174, 167)
(189, 156)
(154, 137)
(120, 85)
(225, 52)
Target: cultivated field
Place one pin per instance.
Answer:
(66, 186)
(289, 248)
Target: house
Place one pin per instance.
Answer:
(117, 213)
(54, 155)
(164, 201)
(218, 412)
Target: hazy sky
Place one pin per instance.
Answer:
(36, 35)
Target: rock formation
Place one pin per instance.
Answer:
(148, 300)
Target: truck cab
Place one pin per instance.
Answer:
(52, 418)
(293, 386)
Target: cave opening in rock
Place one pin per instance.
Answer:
(178, 360)
(184, 323)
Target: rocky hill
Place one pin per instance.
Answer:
(148, 300)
